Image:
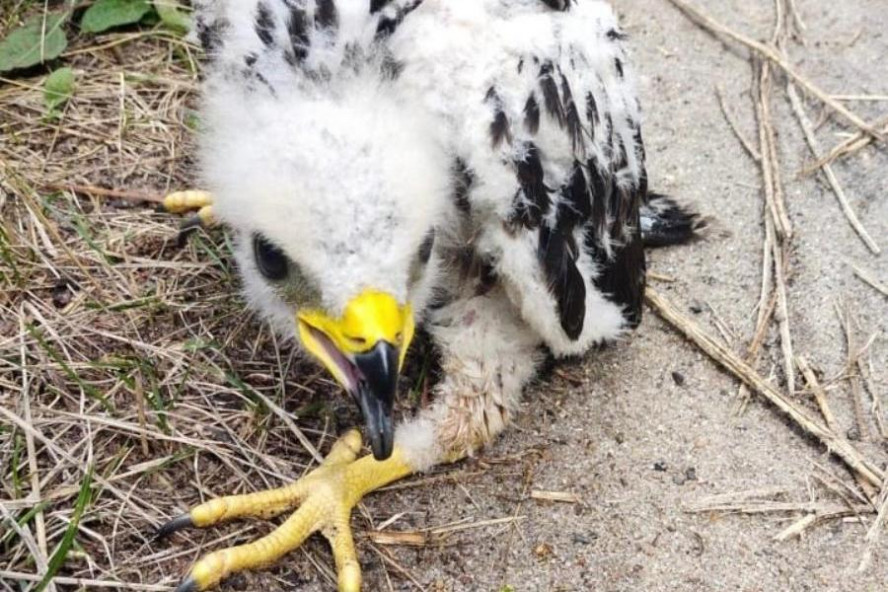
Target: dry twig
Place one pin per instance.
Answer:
(86, 583)
(770, 162)
(39, 522)
(854, 144)
(747, 145)
(774, 57)
(778, 223)
(819, 393)
(874, 534)
(564, 497)
(811, 138)
(869, 277)
(844, 314)
(731, 362)
(134, 196)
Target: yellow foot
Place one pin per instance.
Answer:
(200, 202)
(325, 498)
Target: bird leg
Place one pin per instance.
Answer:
(199, 202)
(488, 354)
(325, 498)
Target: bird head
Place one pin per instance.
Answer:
(334, 198)
(364, 350)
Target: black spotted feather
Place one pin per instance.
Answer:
(585, 222)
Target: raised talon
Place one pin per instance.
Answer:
(175, 525)
(325, 498)
(181, 202)
(188, 585)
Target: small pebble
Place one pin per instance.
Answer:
(682, 478)
(853, 434)
(582, 539)
(63, 292)
(237, 581)
(678, 378)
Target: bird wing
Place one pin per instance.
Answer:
(548, 150)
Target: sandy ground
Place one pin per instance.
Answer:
(643, 429)
(607, 437)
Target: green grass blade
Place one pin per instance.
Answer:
(90, 390)
(61, 553)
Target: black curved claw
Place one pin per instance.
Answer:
(174, 525)
(189, 585)
(187, 228)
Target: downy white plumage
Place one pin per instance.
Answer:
(473, 166)
(353, 134)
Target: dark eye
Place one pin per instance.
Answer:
(270, 260)
(425, 249)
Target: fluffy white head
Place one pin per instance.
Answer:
(341, 176)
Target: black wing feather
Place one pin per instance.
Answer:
(557, 254)
(264, 24)
(532, 114)
(622, 278)
(576, 195)
(550, 93)
(533, 201)
(326, 14)
(572, 117)
(500, 128)
(297, 29)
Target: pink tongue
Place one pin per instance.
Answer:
(352, 374)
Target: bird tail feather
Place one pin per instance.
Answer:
(664, 222)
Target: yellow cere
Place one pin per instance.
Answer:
(369, 318)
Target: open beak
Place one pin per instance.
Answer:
(364, 350)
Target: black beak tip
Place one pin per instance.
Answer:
(375, 396)
(382, 446)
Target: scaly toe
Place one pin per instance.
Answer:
(186, 201)
(349, 578)
(325, 498)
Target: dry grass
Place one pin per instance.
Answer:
(122, 354)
